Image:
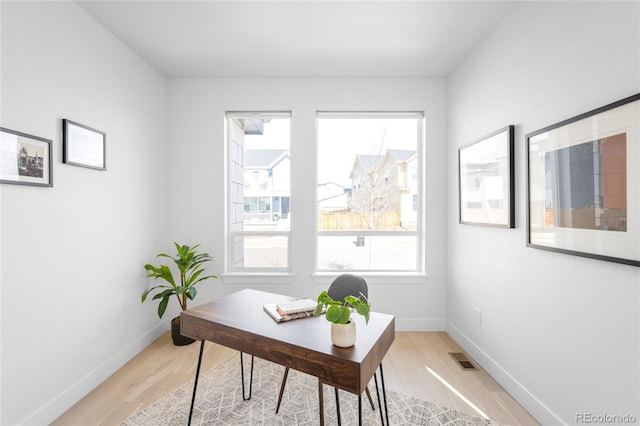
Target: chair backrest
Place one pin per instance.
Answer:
(348, 285)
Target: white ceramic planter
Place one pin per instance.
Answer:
(343, 335)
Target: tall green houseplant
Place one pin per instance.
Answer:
(191, 271)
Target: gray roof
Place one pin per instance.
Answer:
(366, 162)
(369, 161)
(401, 154)
(263, 158)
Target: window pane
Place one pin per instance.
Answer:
(367, 253)
(259, 189)
(369, 180)
(261, 252)
(367, 169)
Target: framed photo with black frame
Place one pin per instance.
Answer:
(486, 180)
(83, 146)
(25, 159)
(583, 184)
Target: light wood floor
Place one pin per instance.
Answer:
(162, 367)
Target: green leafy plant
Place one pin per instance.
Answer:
(339, 312)
(190, 267)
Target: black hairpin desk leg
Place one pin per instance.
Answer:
(375, 379)
(245, 398)
(195, 384)
(384, 395)
(338, 406)
(359, 406)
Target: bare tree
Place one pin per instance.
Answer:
(374, 187)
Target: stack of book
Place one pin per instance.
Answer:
(290, 310)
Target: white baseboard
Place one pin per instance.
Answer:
(67, 398)
(533, 405)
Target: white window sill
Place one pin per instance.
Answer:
(373, 278)
(257, 278)
(322, 278)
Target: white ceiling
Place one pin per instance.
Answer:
(300, 38)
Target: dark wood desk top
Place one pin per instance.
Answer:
(238, 321)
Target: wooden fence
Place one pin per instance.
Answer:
(347, 220)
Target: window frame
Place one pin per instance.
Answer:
(232, 271)
(321, 274)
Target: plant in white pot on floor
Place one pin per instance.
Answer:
(338, 313)
(191, 271)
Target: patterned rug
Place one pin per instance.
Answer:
(219, 402)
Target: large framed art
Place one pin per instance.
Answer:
(486, 178)
(583, 184)
(25, 159)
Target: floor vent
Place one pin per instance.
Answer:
(462, 360)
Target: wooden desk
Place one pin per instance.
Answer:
(238, 321)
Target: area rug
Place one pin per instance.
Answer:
(219, 402)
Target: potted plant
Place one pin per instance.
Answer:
(191, 269)
(338, 313)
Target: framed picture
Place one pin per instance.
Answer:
(486, 180)
(583, 184)
(83, 146)
(25, 159)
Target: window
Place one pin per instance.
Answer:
(259, 192)
(368, 192)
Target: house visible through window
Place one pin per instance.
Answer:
(369, 191)
(259, 191)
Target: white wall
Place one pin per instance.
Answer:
(197, 151)
(73, 255)
(560, 332)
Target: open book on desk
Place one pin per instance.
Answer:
(279, 316)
